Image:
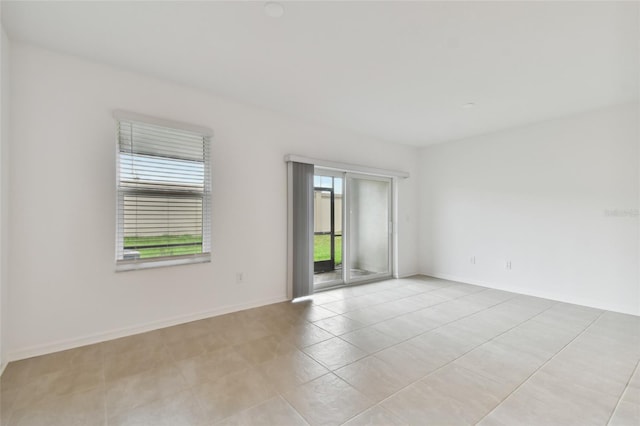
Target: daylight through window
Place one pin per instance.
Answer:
(163, 185)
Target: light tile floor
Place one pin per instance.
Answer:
(417, 351)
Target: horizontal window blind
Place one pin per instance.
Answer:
(163, 186)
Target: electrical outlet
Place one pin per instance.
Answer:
(508, 265)
(240, 277)
(473, 260)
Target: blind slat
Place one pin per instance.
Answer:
(163, 192)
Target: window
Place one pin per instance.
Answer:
(164, 190)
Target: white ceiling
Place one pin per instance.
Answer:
(399, 71)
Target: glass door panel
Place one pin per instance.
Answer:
(324, 236)
(327, 229)
(369, 210)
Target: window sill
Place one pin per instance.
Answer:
(161, 262)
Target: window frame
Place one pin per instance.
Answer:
(162, 261)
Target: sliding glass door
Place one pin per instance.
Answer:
(368, 251)
(351, 228)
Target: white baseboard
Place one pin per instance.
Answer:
(541, 295)
(407, 275)
(62, 345)
(462, 280)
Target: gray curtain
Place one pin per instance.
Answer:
(302, 220)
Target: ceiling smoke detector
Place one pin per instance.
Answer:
(273, 9)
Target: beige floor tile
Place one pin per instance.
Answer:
(180, 409)
(531, 301)
(626, 414)
(305, 335)
(7, 402)
(533, 337)
(264, 349)
(325, 297)
(457, 290)
(518, 314)
(403, 306)
(632, 392)
(282, 323)
(622, 349)
(195, 346)
(151, 341)
(327, 400)
(185, 331)
(275, 411)
(501, 363)
(616, 368)
(345, 305)
(447, 343)
(416, 407)
(522, 409)
(485, 325)
(376, 416)
(384, 296)
(371, 314)
(334, 353)
(562, 317)
(369, 340)
(409, 361)
(127, 363)
(291, 370)
(132, 391)
(403, 327)
(212, 366)
(428, 299)
(50, 386)
(570, 370)
(244, 331)
(86, 358)
(233, 393)
(480, 393)
(316, 313)
(84, 408)
(444, 353)
(560, 395)
(490, 297)
(374, 377)
(339, 324)
(446, 312)
(16, 374)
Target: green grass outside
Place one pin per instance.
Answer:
(322, 248)
(139, 244)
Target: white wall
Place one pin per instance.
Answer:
(537, 196)
(4, 193)
(64, 290)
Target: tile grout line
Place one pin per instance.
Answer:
(542, 366)
(401, 297)
(281, 394)
(426, 331)
(463, 354)
(396, 316)
(402, 341)
(332, 371)
(60, 372)
(635, 370)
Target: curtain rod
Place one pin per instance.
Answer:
(345, 167)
